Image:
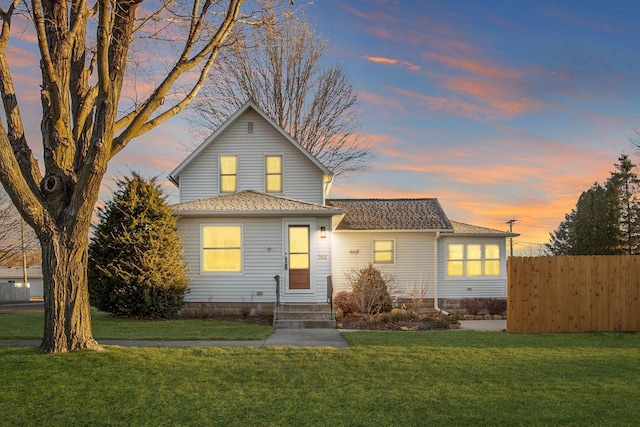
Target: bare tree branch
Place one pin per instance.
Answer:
(280, 67)
(84, 64)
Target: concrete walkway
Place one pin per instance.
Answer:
(484, 325)
(280, 338)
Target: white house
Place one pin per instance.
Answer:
(257, 228)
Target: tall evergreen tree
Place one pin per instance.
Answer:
(135, 258)
(562, 238)
(627, 184)
(596, 226)
(606, 219)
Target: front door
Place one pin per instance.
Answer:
(299, 257)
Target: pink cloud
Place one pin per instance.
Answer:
(448, 105)
(506, 99)
(382, 144)
(391, 61)
(474, 67)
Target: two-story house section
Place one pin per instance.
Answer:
(252, 208)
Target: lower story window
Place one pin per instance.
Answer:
(473, 260)
(383, 252)
(222, 248)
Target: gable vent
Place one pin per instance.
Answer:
(249, 127)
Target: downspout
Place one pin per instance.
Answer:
(435, 275)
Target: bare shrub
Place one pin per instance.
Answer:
(495, 306)
(418, 293)
(345, 303)
(492, 306)
(471, 305)
(370, 287)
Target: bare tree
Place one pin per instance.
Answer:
(85, 57)
(14, 235)
(280, 67)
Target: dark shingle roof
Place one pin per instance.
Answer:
(251, 202)
(391, 214)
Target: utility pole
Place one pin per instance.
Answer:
(510, 223)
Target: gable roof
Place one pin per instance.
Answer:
(462, 229)
(174, 175)
(392, 214)
(252, 203)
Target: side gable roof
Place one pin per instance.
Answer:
(252, 203)
(174, 175)
(392, 214)
(462, 229)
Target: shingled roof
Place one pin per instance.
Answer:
(251, 203)
(392, 214)
(461, 228)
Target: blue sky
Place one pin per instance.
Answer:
(500, 109)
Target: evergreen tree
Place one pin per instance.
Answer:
(562, 239)
(135, 258)
(625, 180)
(592, 228)
(596, 226)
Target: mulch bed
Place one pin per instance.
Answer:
(384, 322)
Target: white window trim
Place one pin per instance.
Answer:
(483, 276)
(373, 251)
(201, 249)
(264, 172)
(220, 173)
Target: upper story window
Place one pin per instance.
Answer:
(473, 260)
(273, 174)
(383, 252)
(228, 174)
(222, 248)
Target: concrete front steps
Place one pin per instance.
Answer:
(301, 316)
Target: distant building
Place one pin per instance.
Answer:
(34, 278)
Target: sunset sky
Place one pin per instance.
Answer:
(501, 110)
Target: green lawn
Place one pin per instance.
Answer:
(389, 378)
(31, 326)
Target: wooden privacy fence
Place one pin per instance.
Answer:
(573, 294)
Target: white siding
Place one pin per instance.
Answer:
(302, 179)
(471, 287)
(263, 258)
(413, 267)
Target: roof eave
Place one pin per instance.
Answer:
(400, 230)
(260, 213)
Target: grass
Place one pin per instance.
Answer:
(388, 378)
(31, 326)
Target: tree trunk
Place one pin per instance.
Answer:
(67, 325)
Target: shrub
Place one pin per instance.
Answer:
(492, 306)
(135, 258)
(346, 303)
(496, 306)
(471, 305)
(370, 287)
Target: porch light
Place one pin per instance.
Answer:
(323, 232)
